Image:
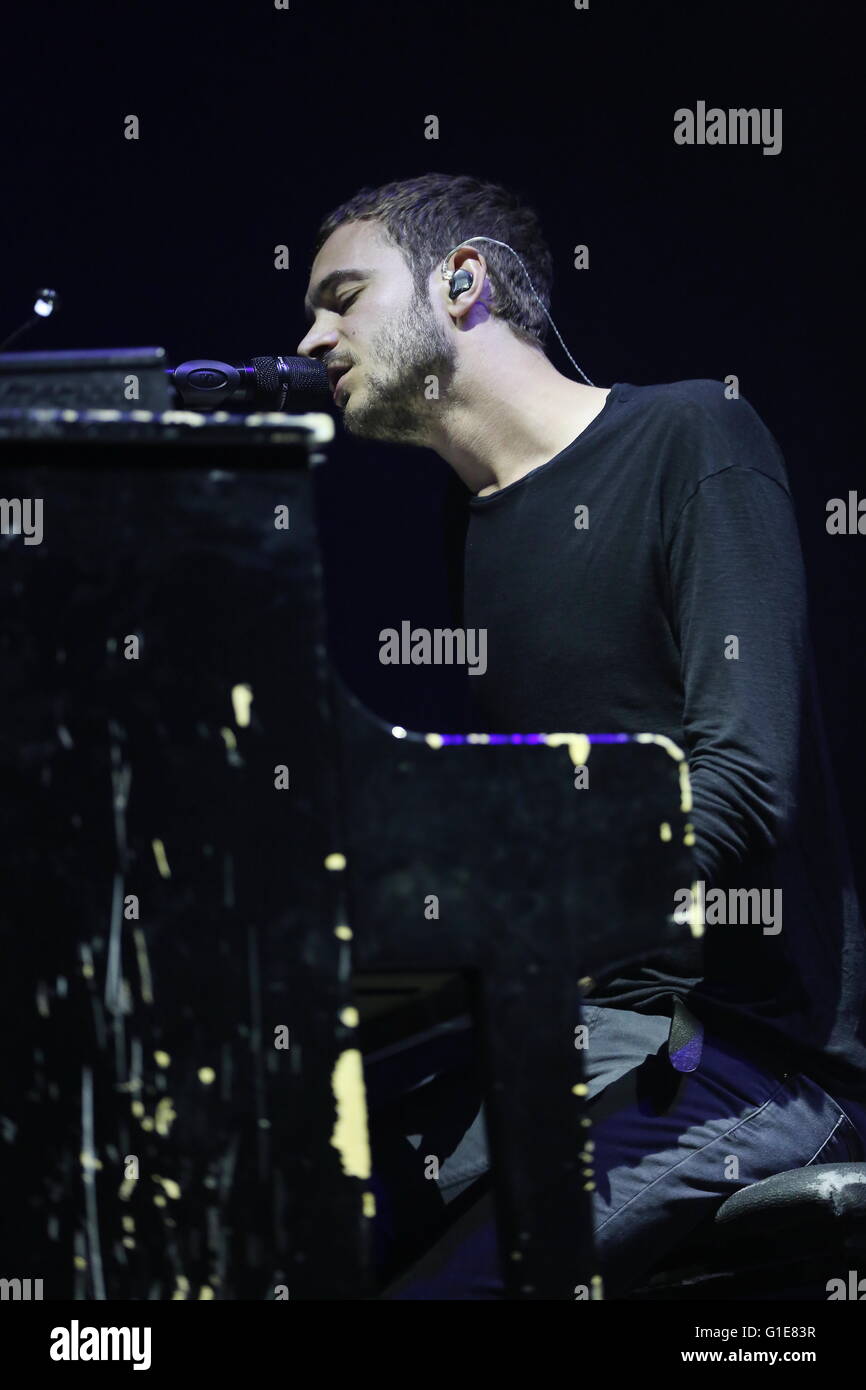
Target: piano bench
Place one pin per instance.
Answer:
(786, 1236)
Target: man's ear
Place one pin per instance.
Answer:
(468, 282)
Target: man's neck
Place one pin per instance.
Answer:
(572, 424)
(508, 422)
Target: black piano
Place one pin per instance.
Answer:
(236, 903)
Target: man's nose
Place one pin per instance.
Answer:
(316, 341)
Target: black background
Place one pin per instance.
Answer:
(255, 122)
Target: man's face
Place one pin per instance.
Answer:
(374, 322)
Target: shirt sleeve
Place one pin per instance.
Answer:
(739, 608)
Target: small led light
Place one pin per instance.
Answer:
(46, 303)
(398, 732)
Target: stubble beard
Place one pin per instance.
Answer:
(396, 405)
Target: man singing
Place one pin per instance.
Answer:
(677, 606)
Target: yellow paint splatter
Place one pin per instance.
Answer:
(578, 746)
(231, 742)
(335, 861)
(161, 861)
(162, 1059)
(685, 788)
(344, 933)
(580, 1089)
(665, 832)
(80, 1262)
(368, 1204)
(206, 1075)
(350, 1136)
(696, 926)
(242, 698)
(433, 740)
(677, 753)
(165, 1115)
(206, 1292)
(143, 965)
(663, 742)
(350, 1016)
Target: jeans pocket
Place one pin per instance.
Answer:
(843, 1144)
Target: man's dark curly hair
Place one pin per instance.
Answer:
(426, 217)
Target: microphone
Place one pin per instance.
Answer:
(267, 383)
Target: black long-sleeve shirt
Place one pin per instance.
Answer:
(626, 625)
